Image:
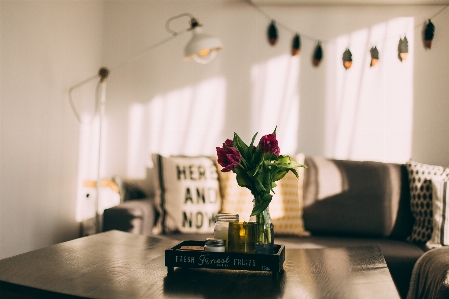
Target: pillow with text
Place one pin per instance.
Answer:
(187, 194)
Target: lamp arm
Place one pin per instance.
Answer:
(104, 72)
(72, 105)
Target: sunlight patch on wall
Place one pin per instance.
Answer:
(275, 100)
(186, 121)
(88, 167)
(369, 109)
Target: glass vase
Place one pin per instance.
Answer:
(264, 233)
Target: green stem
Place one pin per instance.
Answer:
(268, 228)
(264, 228)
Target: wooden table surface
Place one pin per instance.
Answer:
(121, 265)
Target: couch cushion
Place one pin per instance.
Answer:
(285, 207)
(187, 194)
(421, 177)
(356, 198)
(133, 216)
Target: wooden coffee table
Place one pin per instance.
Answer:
(121, 265)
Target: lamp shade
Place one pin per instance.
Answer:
(202, 47)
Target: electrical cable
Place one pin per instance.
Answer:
(134, 57)
(281, 24)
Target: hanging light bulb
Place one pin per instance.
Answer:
(296, 45)
(428, 35)
(374, 56)
(403, 49)
(272, 33)
(347, 59)
(318, 54)
(202, 47)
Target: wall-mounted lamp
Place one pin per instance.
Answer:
(202, 48)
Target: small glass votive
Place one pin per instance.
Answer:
(214, 245)
(241, 237)
(221, 227)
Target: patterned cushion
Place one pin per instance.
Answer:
(421, 177)
(440, 209)
(187, 194)
(285, 208)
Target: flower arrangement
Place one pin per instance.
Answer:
(257, 167)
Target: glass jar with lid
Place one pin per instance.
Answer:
(221, 226)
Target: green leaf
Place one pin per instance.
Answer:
(294, 164)
(295, 172)
(252, 141)
(280, 175)
(266, 180)
(257, 157)
(260, 206)
(255, 171)
(259, 186)
(244, 163)
(284, 159)
(241, 147)
(242, 178)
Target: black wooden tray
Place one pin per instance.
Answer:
(175, 257)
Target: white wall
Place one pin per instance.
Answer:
(431, 98)
(46, 46)
(159, 103)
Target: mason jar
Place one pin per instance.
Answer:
(221, 227)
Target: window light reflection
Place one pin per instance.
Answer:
(275, 100)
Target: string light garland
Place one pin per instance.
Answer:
(296, 45)
(428, 34)
(403, 49)
(347, 59)
(374, 56)
(273, 35)
(317, 55)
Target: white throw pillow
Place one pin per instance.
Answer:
(440, 206)
(187, 194)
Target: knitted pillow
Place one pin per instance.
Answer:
(421, 177)
(187, 194)
(285, 207)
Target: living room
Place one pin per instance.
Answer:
(159, 103)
